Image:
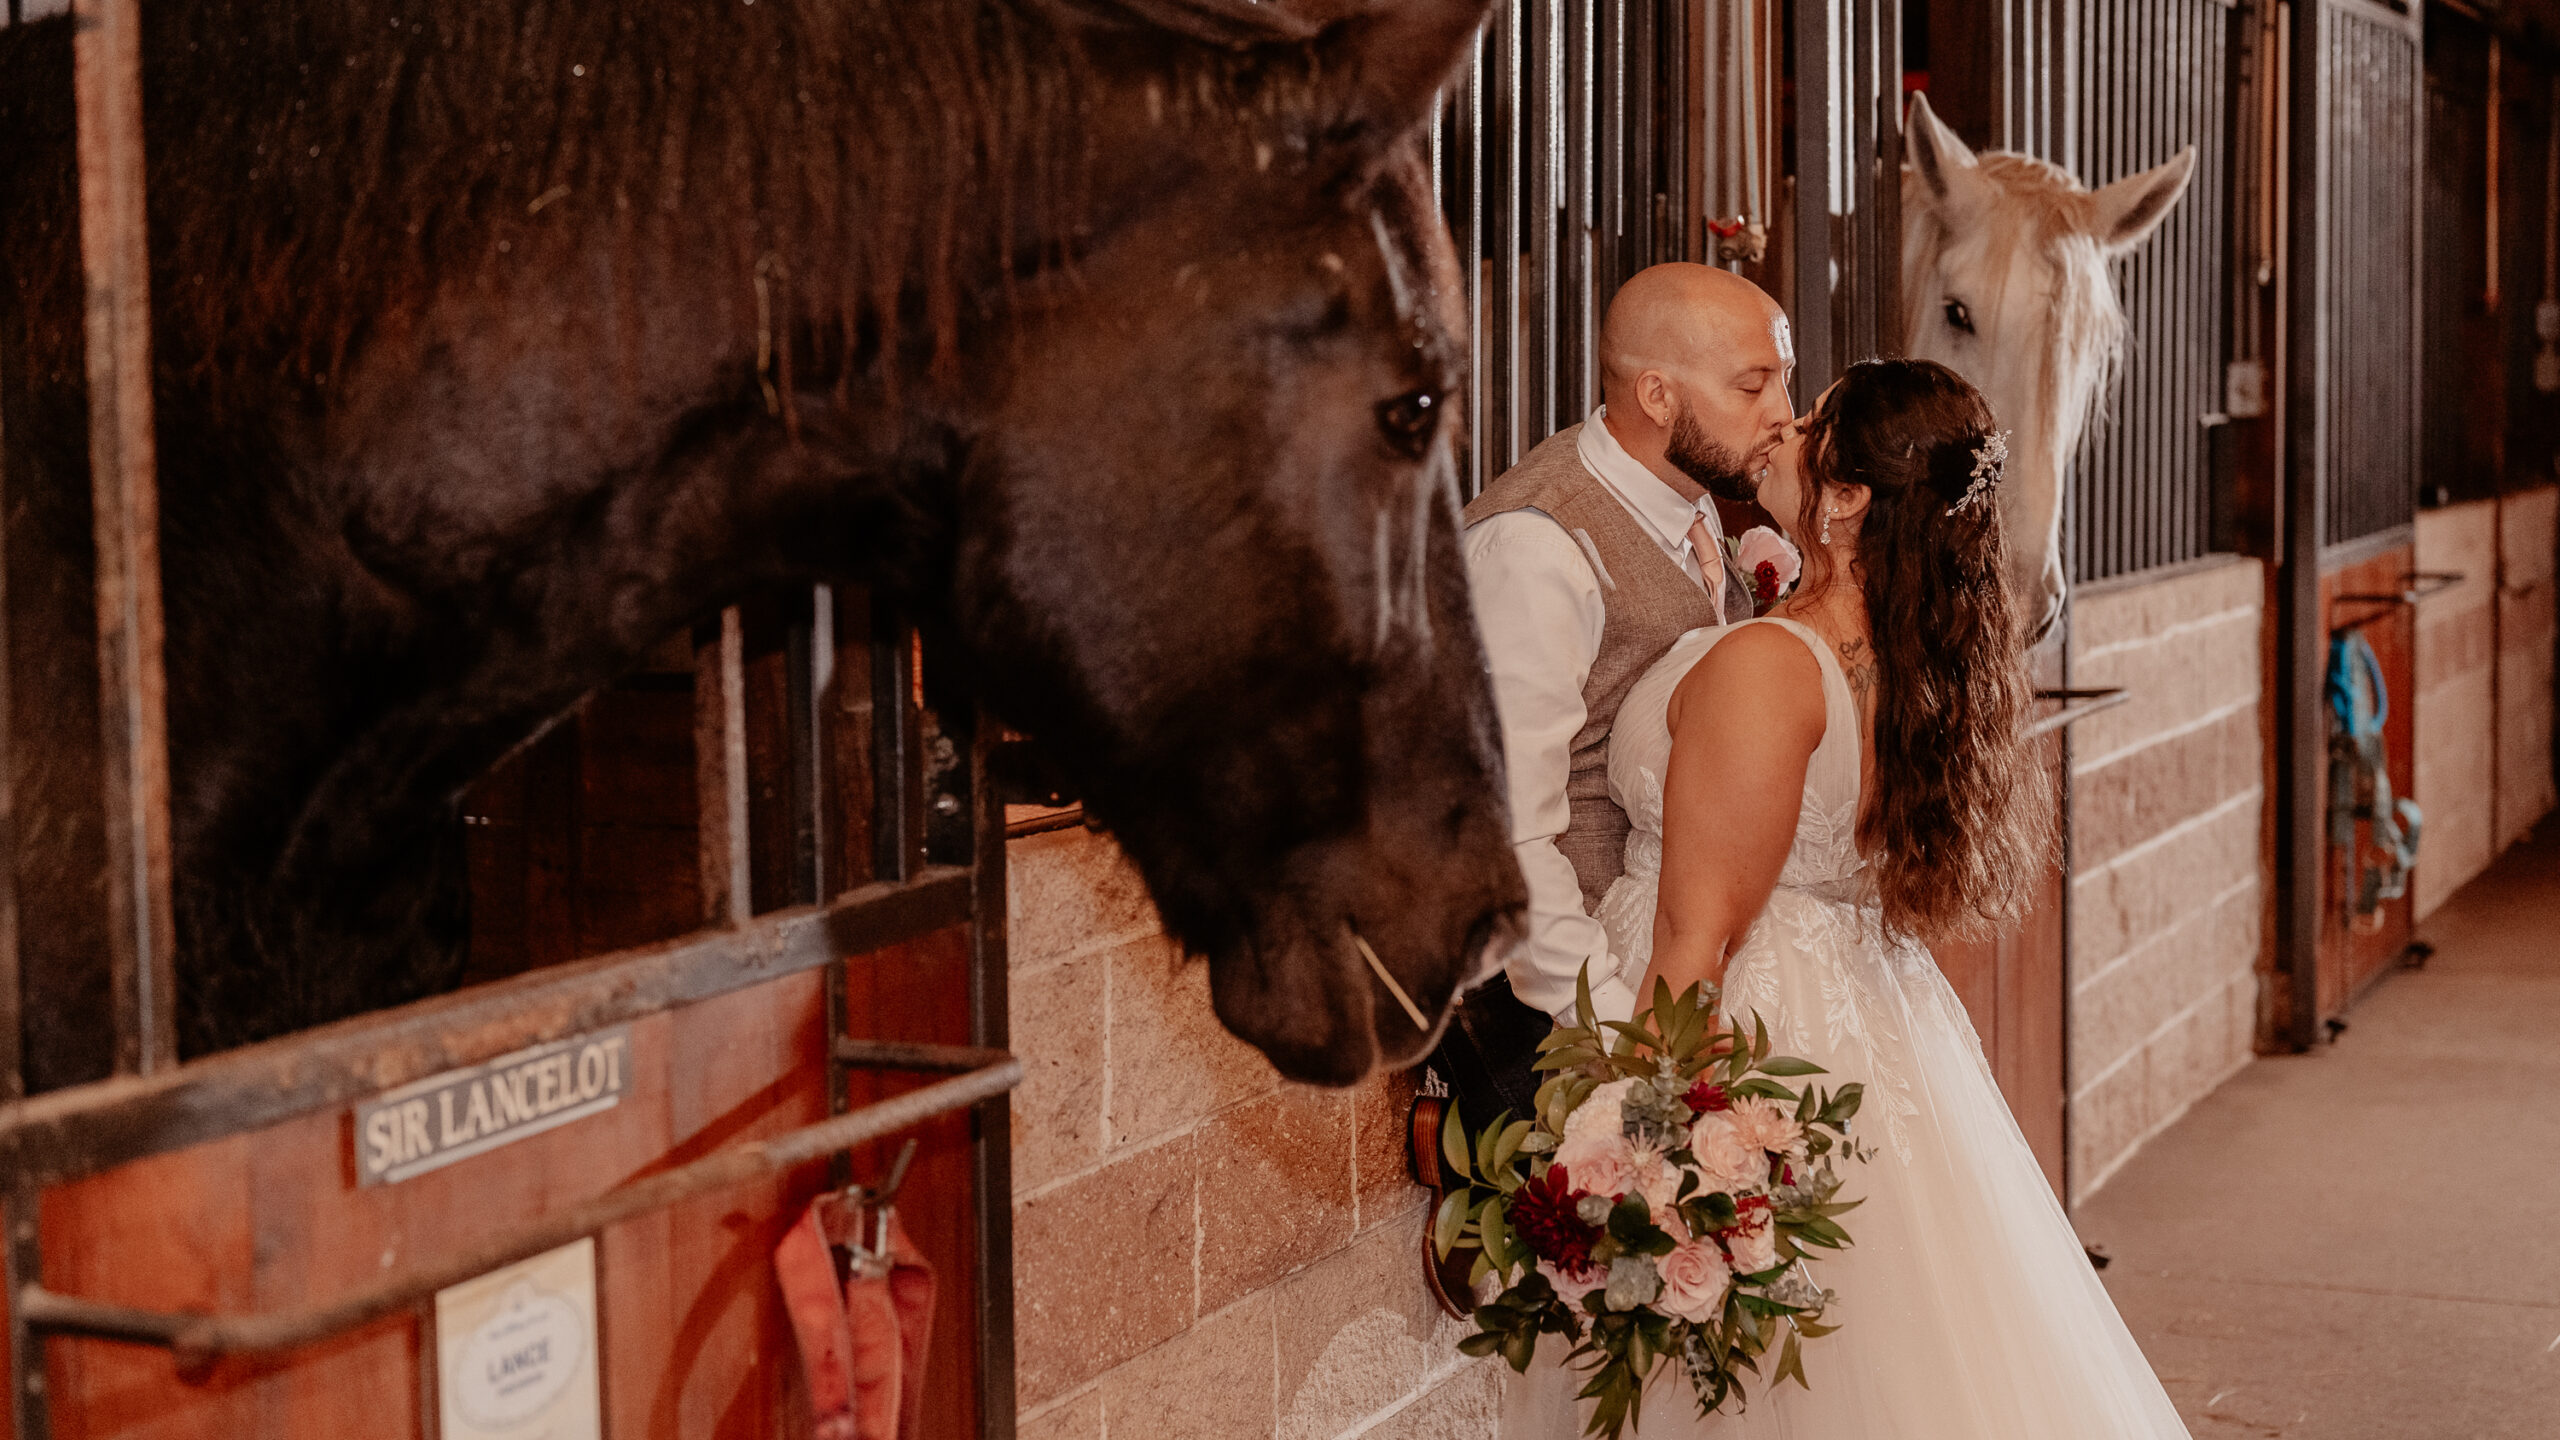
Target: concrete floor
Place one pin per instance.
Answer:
(2363, 1243)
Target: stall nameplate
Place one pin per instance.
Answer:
(461, 1113)
(516, 1351)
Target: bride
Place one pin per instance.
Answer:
(1815, 795)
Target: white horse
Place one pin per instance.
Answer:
(2004, 280)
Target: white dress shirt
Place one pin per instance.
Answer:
(1539, 606)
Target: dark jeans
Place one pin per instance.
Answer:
(1484, 1055)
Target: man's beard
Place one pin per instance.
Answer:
(1700, 458)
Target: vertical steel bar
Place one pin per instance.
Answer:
(720, 770)
(30, 1401)
(1470, 168)
(1504, 347)
(1815, 362)
(107, 60)
(897, 748)
(1537, 112)
(991, 1133)
(1580, 379)
(1644, 134)
(2301, 748)
(1611, 246)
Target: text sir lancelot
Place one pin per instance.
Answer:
(462, 1113)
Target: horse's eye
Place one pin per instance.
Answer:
(1958, 315)
(1407, 420)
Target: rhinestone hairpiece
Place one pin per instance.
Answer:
(1988, 457)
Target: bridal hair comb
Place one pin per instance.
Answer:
(1988, 458)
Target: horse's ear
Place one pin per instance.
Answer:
(1936, 154)
(1387, 59)
(2130, 209)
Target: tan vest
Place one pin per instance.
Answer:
(1647, 601)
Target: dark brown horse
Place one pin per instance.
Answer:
(497, 340)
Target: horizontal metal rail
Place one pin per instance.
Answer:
(2077, 705)
(71, 1133)
(199, 1340)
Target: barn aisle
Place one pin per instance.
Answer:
(2363, 1243)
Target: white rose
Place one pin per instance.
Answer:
(1600, 1113)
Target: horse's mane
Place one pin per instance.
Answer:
(2053, 212)
(859, 157)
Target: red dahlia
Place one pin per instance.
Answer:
(1543, 1213)
(1765, 581)
(1706, 1095)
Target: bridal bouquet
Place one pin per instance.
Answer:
(1660, 1208)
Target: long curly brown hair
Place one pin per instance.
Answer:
(1961, 824)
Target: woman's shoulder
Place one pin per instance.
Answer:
(1769, 668)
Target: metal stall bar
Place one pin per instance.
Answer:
(991, 1136)
(107, 61)
(200, 1339)
(1817, 364)
(2301, 741)
(1578, 366)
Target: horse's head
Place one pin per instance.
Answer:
(2004, 279)
(1208, 538)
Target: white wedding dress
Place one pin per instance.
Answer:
(1968, 1310)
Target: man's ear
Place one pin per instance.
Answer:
(1385, 60)
(1654, 398)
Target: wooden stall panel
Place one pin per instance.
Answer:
(2353, 954)
(694, 1340)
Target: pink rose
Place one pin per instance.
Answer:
(1772, 563)
(1571, 1288)
(1693, 1282)
(1767, 1124)
(1601, 1164)
(1727, 1160)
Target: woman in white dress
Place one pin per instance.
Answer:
(1815, 795)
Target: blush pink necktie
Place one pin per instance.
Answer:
(1702, 542)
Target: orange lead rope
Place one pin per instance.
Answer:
(862, 1344)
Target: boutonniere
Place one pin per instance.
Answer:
(1765, 556)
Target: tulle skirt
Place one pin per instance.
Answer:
(1968, 1310)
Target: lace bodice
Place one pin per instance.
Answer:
(1824, 856)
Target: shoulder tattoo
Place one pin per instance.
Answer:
(1858, 662)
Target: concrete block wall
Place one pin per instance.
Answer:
(2526, 534)
(2167, 892)
(2456, 720)
(1202, 1250)
(2484, 702)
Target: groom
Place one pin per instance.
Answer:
(1586, 560)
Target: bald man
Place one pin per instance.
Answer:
(1587, 559)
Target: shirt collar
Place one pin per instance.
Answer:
(1656, 504)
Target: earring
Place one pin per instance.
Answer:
(1826, 527)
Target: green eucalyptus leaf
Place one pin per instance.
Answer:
(1449, 1222)
(1789, 1065)
(1453, 1143)
(1485, 1142)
